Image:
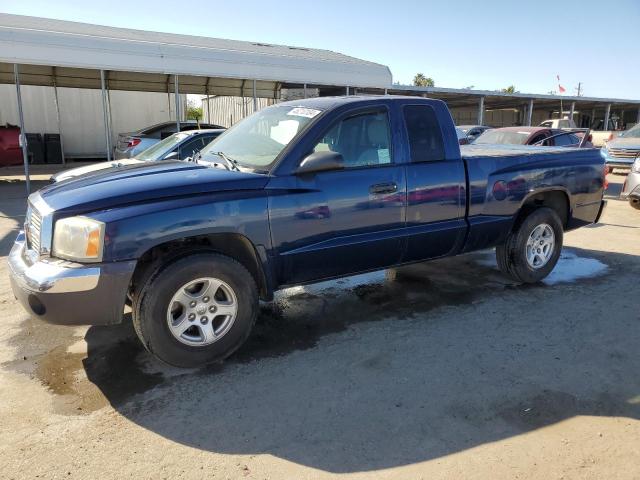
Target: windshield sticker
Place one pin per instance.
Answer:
(304, 112)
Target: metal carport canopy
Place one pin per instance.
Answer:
(71, 54)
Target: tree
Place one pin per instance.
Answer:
(509, 89)
(194, 112)
(421, 81)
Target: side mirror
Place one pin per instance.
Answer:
(172, 156)
(321, 162)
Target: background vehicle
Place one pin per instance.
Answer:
(473, 131)
(131, 144)
(462, 137)
(623, 150)
(546, 137)
(631, 187)
(558, 123)
(179, 146)
(601, 134)
(313, 189)
(10, 151)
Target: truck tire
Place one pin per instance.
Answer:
(196, 310)
(533, 247)
(635, 203)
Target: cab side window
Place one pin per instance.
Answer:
(362, 140)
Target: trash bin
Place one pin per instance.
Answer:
(35, 148)
(53, 148)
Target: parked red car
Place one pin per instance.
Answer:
(10, 152)
(547, 137)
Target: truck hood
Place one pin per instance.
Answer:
(91, 169)
(145, 182)
(622, 142)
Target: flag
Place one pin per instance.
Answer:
(561, 89)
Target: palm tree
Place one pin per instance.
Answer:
(421, 81)
(509, 89)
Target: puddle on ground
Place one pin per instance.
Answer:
(115, 366)
(570, 267)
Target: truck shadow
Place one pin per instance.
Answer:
(394, 369)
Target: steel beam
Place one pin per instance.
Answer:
(480, 110)
(572, 110)
(55, 98)
(255, 98)
(304, 91)
(105, 114)
(176, 93)
(23, 135)
(638, 116)
(530, 112)
(607, 113)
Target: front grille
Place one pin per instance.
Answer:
(624, 152)
(34, 229)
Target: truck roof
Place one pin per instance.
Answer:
(324, 103)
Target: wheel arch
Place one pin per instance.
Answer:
(233, 245)
(556, 198)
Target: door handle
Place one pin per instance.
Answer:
(381, 188)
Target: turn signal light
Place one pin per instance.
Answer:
(93, 244)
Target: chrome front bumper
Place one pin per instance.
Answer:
(51, 275)
(69, 293)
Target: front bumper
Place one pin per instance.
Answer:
(67, 293)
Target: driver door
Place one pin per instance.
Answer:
(343, 221)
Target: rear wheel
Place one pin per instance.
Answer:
(635, 203)
(196, 310)
(533, 248)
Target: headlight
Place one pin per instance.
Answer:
(79, 239)
(636, 166)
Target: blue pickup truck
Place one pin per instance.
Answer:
(296, 193)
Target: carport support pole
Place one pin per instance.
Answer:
(255, 98)
(481, 111)
(530, 112)
(304, 90)
(23, 136)
(105, 112)
(176, 88)
(347, 91)
(572, 110)
(638, 116)
(607, 113)
(55, 98)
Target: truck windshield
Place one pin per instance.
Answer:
(256, 141)
(502, 137)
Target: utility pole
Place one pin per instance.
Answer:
(579, 89)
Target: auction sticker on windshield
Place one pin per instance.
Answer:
(304, 112)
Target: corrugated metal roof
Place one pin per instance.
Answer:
(47, 42)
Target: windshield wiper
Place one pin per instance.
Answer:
(233, 164)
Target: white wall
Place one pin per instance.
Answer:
(81, 115)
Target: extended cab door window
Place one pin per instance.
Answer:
(425, 136)
(362, 140)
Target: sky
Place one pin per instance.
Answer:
(486, 45)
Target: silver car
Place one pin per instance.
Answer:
(631, 188)
(179, 146)
(131, 144)
(623, 150)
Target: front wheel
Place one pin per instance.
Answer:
(196, 310)
(533, 248)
